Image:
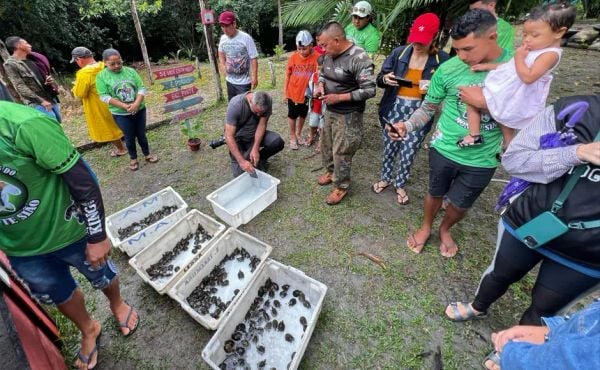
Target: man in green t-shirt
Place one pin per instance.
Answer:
(459, 173)
(361, 31)
(52, 218)
(506, 32)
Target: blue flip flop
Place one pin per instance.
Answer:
(86, 359)
(125, 324)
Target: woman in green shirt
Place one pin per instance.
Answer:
(123, 90)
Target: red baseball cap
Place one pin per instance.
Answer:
(424, 28)
(227, 17)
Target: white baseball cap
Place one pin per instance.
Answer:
(362, 9)
(304, 38)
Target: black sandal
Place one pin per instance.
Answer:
(478, 140)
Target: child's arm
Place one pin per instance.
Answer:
(541, 65)
(483, 67)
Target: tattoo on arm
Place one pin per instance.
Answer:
(421, 116)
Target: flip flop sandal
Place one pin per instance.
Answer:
(470, 315)
(378, 188)
(402, 198)
(114, 153)
(86, 359)
(152, 158)
(477, 140)
(293, 145)
(447, 247)
(493, 356)
(417, 247)
(134, 166)
(125, 324)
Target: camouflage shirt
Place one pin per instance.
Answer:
(26, 82)
(350, 72)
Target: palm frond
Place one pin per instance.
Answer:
(307, 12)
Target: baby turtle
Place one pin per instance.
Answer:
(245, 343)
(303, 321)
(263, 363)
(276, 303)
(240, 351)
(240, 275)
(228, 347)
(268, 325)
(296, 293)
(281, 326)
(285, 287)
(235, 292)
(241, 327)
(283, 294)
(306, 304)
(260, 349)
(289, 337)
(273, 311)
(292, 302)
(236, 336)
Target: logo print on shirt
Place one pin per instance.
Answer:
(14, 203)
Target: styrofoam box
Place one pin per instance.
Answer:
(229, 241)
(166, 242)
(244, 197)
(138, 211)
(314, 291)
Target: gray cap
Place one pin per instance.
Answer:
(80, 52)
(304, 38)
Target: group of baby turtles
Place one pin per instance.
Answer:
(261, 317)
(164, 267)
(204, 299)
(126, 232)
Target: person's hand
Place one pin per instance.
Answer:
(331, 99)
(247, 166)
(401, 131)
(133, 108)
(97, 253)
(253, 83)
(521, 52)
(319, 91)
(46, 104)
(284, 100)
(49, 80)
(387, 79)
(589, 153)
(254, 157)
(472, 95)
(482, 67)
(520, 333)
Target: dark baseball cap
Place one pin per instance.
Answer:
(80, 52)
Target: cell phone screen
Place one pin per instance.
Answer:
(402, 82)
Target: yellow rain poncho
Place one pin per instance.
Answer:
(101, 125)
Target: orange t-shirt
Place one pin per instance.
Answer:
(299, 70)
(412, 92)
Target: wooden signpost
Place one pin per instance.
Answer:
(175, 101)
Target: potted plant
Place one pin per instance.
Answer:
(191, 130)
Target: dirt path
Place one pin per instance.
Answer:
(371, 318)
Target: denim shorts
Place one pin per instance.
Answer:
(49, 278)
(461, 184)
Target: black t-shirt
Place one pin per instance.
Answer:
(582, 204)
(39, 76)
(241, 116)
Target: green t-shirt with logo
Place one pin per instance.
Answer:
(124, 85)
(37, 214)
(367, 38)
(506, 35)
(453, 125)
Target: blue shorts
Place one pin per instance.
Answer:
(49, 276)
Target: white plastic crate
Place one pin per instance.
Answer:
(138, 211)
(314, 291)
(225, 245)
(244, 197)
(166, 242)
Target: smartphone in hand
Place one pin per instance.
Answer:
(402, 82)
(388, 123)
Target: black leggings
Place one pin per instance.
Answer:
(555, 287)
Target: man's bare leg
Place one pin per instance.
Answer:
(119, 307)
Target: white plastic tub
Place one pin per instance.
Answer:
(137, 212)
(244, 197)
(225, 245)
(278, 351)
(166, 242)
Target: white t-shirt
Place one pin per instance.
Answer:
(238, 50)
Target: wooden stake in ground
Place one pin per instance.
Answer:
(140, 35)
(210, 46)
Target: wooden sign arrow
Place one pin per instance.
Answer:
(180, 94)
(172, 72)
(188, 114)
(178, 82)
(183, 104)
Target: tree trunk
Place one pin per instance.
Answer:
(140, 35)
(279, 22)
(210, 48)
